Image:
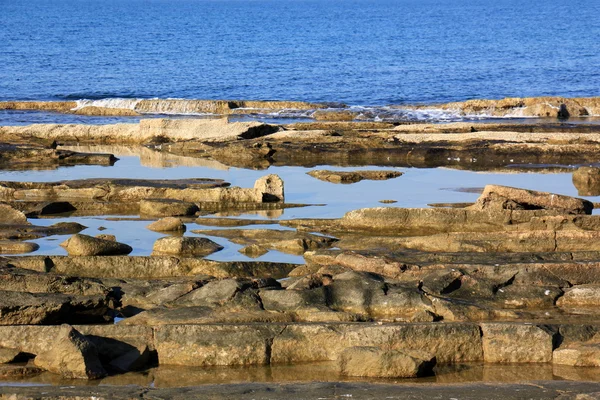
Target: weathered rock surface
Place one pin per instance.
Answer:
(516, 343)
(353, 176)
(84, 245)
(168, 224)
(378, 363)
(185, 246)
(8, 355)
(71, 355)
(508, 198)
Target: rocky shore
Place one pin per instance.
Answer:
(385, 294)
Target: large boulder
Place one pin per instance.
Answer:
(186, 246)
(587, 181)
(84, 245)
(271, 187)
(167, 208)
(71, 355)
(370, 361)
(497, 197)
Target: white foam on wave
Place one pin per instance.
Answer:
(115, 102)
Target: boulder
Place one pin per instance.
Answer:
(353, 176)
(84, 245)
(516, 343)
(185, 246)
(271, 187)
(587, 181)
(253, 251)
(215, 293)
(168, 224)
(292, 300)
(9, 215)
(167, 208)
(71, 355)
(370, 361)
(508, 198)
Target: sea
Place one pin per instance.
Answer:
(356, 52)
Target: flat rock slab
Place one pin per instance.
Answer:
(353, 176)
(585, 354)
(514, 342)
(167, 208)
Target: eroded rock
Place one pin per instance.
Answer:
(353, 176)
(168, 224)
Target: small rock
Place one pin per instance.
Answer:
(377, 363)
(388, 201)
(187, 246)
(168, 224)
(167, 208)
(13, 372)
(71, 355)
(105, 236)
(271, 186)
(587, 181)
(253, 251)
(84, 245)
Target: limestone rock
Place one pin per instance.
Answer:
(291, 300)
(84, 245)
(17, 247)
(271, 187)
(352, 176)
(215, 293)
(587, 181)
(71, 355)
(508, 198)
(253, 250)
(167, 208)
(578, 354)
(9, 215)
(516, 342)
(8, 355)
(584, 296)
(168, 224)
(186, 246)
(21, 308)
(377, 363)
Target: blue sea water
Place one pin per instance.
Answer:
(361, 52)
